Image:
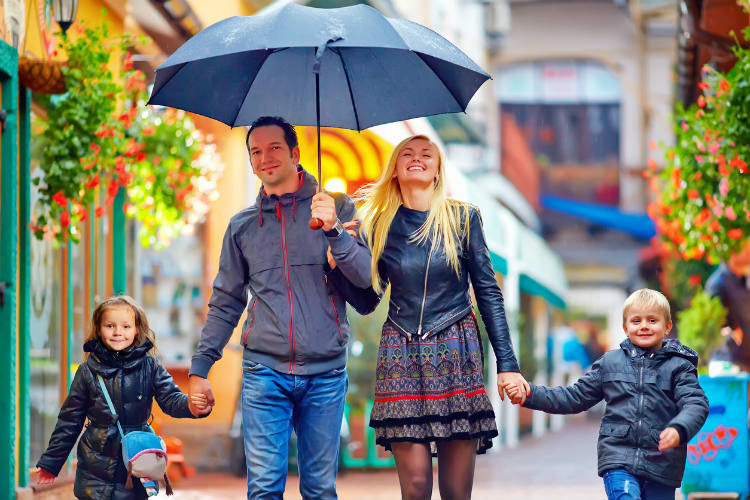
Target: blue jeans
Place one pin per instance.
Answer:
(622, 485)
(273, 404)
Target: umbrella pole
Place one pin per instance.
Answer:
(316, 223)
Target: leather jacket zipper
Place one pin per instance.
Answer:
(424, 296)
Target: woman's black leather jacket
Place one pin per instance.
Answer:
(426, 294)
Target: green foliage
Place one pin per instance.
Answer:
(100, 137)
(699, 326)
(702, 204)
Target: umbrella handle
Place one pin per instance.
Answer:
(316, 223)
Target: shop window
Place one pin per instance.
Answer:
(45, 332)
(171, 292)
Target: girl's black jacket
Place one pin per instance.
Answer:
(133, 379)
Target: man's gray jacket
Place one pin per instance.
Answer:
(296, 321)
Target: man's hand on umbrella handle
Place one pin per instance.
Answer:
(324, 208)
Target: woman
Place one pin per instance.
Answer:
(429, 389)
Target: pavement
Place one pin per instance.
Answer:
(559, 465)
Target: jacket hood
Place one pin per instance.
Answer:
(105, 361)
(307, 187)
(670, 347)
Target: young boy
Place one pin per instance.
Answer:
(654, 403)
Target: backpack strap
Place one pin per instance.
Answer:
(111, 406)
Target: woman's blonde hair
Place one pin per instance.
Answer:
(647, 298)
(143, 331)
(447, 223)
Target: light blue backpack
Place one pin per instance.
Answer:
(144, 453)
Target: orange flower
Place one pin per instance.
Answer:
(724, 85)
(703, 86)
(693, 194)
(60, 199)
(65, 219)
(739, 164)
(99, 211)
(694, 280)
(735, 234)
(701, 101)
(714, 226)
(652, 164)
(93, 182)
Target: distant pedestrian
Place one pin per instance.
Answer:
(730, 283)
(654, 403)
(120, 347)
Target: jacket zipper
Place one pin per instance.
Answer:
(424, 296)
(640, 411)
(336, 316)
(252, 322)
(290, 298)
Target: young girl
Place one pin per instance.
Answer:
(119, 347)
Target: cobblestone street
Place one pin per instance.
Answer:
(560, 465)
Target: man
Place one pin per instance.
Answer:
(296, 332)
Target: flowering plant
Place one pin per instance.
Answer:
(701, 209)
(100, 137)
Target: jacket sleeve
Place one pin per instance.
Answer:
(352, 256)
(585, 393)
(228, 301)
(363, 300)
(168, 396)
(691, 401)
(488, 295)
(69, 424)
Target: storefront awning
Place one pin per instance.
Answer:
(638, 225)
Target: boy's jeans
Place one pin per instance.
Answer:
(272, 404)
(622, 485)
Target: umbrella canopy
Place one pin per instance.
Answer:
(372, 69)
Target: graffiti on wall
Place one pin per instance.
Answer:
(709, 444)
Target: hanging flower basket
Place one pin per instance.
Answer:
(41, 76)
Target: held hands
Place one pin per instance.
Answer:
(44, 477)
(514, 385)
(669, 438)
(200, 396)
(351, 228)
(324, 208)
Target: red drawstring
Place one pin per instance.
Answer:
(294, 207)
(278, 210)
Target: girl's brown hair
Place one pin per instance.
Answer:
(143, 331)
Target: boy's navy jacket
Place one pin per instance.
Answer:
(645, 393)
(133, 379)
(296, 320)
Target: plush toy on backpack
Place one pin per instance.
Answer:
(121, 365)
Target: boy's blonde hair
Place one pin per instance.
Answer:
(646, 297)
(447, 223)
(143, 331)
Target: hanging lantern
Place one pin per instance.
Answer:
(65, 12)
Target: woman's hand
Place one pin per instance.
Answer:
(351, 228)
(44, 477)
(510, 380)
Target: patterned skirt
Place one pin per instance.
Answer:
(432, 390)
